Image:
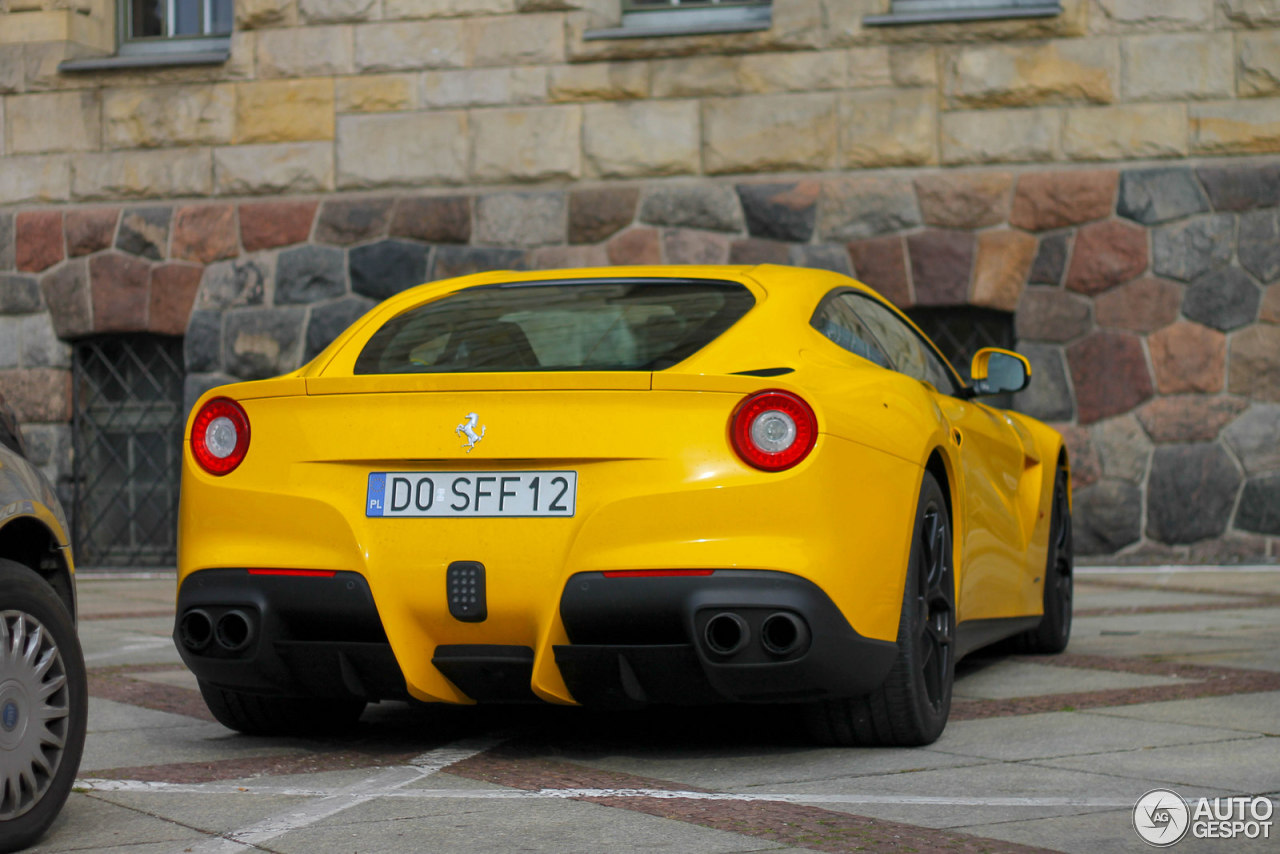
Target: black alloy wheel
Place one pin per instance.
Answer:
(1054, 630)
(912, 706)
(935, 603)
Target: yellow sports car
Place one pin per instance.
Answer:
(617, 487)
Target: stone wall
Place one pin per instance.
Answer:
(345, 95)
(1147, 299)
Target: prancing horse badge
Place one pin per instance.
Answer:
(468, 428)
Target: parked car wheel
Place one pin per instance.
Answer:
(1054, 630)
(43, 705)
(912, 705)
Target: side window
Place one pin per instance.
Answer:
(836, 319)
(904, 347)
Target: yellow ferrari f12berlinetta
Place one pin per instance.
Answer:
(616, 487)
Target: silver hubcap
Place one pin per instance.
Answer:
(34, 709)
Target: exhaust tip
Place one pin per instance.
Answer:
(234, 631)
(783, 633)
(195, 629)
(726, 633)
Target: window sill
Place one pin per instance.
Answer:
(947, 16)
(146, 60)
(686, 22)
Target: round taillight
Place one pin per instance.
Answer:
(220, 436)
(773, 430)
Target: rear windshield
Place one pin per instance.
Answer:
(618, 325)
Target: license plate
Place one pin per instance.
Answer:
(472, 494)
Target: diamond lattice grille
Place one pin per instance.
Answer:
(128, 445)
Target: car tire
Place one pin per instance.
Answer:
(39, 650)
(265, 714)
(1054, 630)
(912, 705)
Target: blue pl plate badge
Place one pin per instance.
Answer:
(377, 488)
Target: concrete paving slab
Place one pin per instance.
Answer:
(176, 678)
(195, 743)
(88, 823)
(1057, 734)
(1002, 678)
(726, 770)
(108, 593)
(1253, 713)
(108, 716)
(206, 814)
(117, 642)
(1251, 659)
(996, 783)
(1242, 766)
(1089, 596)
(467, 827)
(1256, 580)
(1110, 832)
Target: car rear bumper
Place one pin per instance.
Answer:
(304, 636)
(690, 639)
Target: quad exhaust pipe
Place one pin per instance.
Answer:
(195, 629)
(233, 631)
(726, 633)
(782, 634)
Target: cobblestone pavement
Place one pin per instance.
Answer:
(1172, 680)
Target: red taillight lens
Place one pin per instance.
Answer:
(773, 430)
(220, 436)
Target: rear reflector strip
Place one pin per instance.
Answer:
(653, 573)
(306, 573)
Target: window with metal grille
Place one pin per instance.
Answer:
(174, 26)
(961, 331)
(935, 11)
(649, 18)
(127, 429)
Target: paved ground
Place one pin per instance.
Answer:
(1172, 680)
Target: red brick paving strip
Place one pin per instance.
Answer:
(1207, 682)
(117, 684)
(790, 824)
(261, 766)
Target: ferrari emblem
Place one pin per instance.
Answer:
(468, 429)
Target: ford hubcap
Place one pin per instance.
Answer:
(34, 710)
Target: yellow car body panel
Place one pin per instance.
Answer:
(658, 483)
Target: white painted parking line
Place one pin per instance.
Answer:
(367, 792)
(332, 802)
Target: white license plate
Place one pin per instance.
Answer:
(473, 493)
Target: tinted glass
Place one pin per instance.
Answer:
(904, 347)
(836, 319)
(631, 325)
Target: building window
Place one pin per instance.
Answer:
(155, 33)
(651, 18)
(936, 11)
(166, 26)
(127, 437)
